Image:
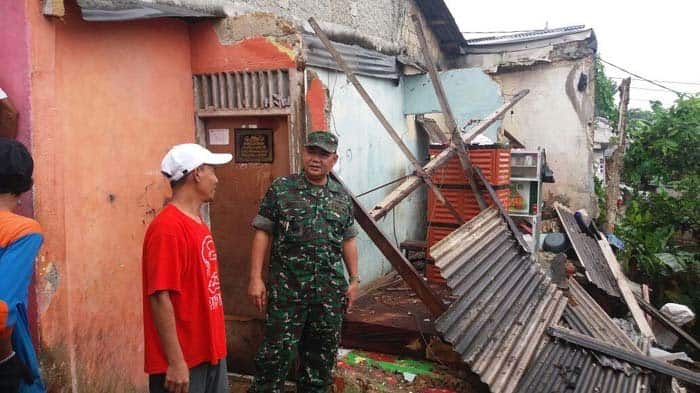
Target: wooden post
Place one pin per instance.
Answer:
(387, 126)
(413, 182)
(447, 112)
(431, 299)
(625, 290)
(613, 166)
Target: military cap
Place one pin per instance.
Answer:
(323, 139)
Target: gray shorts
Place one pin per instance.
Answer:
(204, 378)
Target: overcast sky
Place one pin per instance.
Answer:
(657, 39)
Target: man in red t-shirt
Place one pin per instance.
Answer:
(185, 340)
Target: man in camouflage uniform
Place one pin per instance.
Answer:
(308, 219)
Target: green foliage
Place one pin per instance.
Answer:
(602, 202)
(665, 144)
(662, 163)
(605, 89)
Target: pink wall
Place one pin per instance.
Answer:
(109, 99)
(14, 72)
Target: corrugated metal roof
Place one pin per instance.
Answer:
(589, 253)
(561, 367)
(119, 10)
(442, 23)
(503, 300)
(360, 60)
(527, 36)
(585, 316)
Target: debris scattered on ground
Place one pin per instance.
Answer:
(362, 371)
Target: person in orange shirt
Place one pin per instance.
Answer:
(20, 240)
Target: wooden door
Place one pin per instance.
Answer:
(242, 185)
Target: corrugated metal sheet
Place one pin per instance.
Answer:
(503, 300)
(119, 10)
(360, 60)
(527, 36)
(589, 254)
(585, 316)
(560, 367)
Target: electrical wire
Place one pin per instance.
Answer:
(660, 81)
(379, 187)
(502, 31)
(639, 76)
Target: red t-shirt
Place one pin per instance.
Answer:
(179, 256)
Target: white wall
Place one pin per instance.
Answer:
(557, 117)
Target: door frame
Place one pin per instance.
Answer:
(296, 121)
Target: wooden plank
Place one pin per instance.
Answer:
(656, 314)
(431, 299)
(625, 290)
(413, 182)
(378, 114)
(490, 119)
(230, 94)
(205, 91)
(637, 359)
(239, 91)
(270, 88)
(254, 89)
(197, 92)
(215, 90)
(246, 90)
(244, 112)
(447, 112)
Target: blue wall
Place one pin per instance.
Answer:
(471, 93)
(368, 157)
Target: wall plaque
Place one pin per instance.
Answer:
(253, 145)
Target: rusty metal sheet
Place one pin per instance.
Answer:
(589, 254)
(504, 301)
(560, 366)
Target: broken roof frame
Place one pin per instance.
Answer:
(550, 306)
(602, 268)
(421, 175)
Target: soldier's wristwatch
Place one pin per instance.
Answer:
(354, 279)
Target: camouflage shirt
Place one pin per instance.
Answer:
(309, 224)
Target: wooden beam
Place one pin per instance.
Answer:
(387, 126)
(447, 112)
(513, 228)
(490, 119)
(625, 290)
(634, 358)
(413, 182)
(657, 315)
(431, 299)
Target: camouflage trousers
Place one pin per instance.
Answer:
(312, 328)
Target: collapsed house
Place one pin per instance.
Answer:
(106, 89)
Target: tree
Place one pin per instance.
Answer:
(665, 145)
(605, 89)
(661, 224)
(614, 163)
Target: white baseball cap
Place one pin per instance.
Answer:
(183, 159)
